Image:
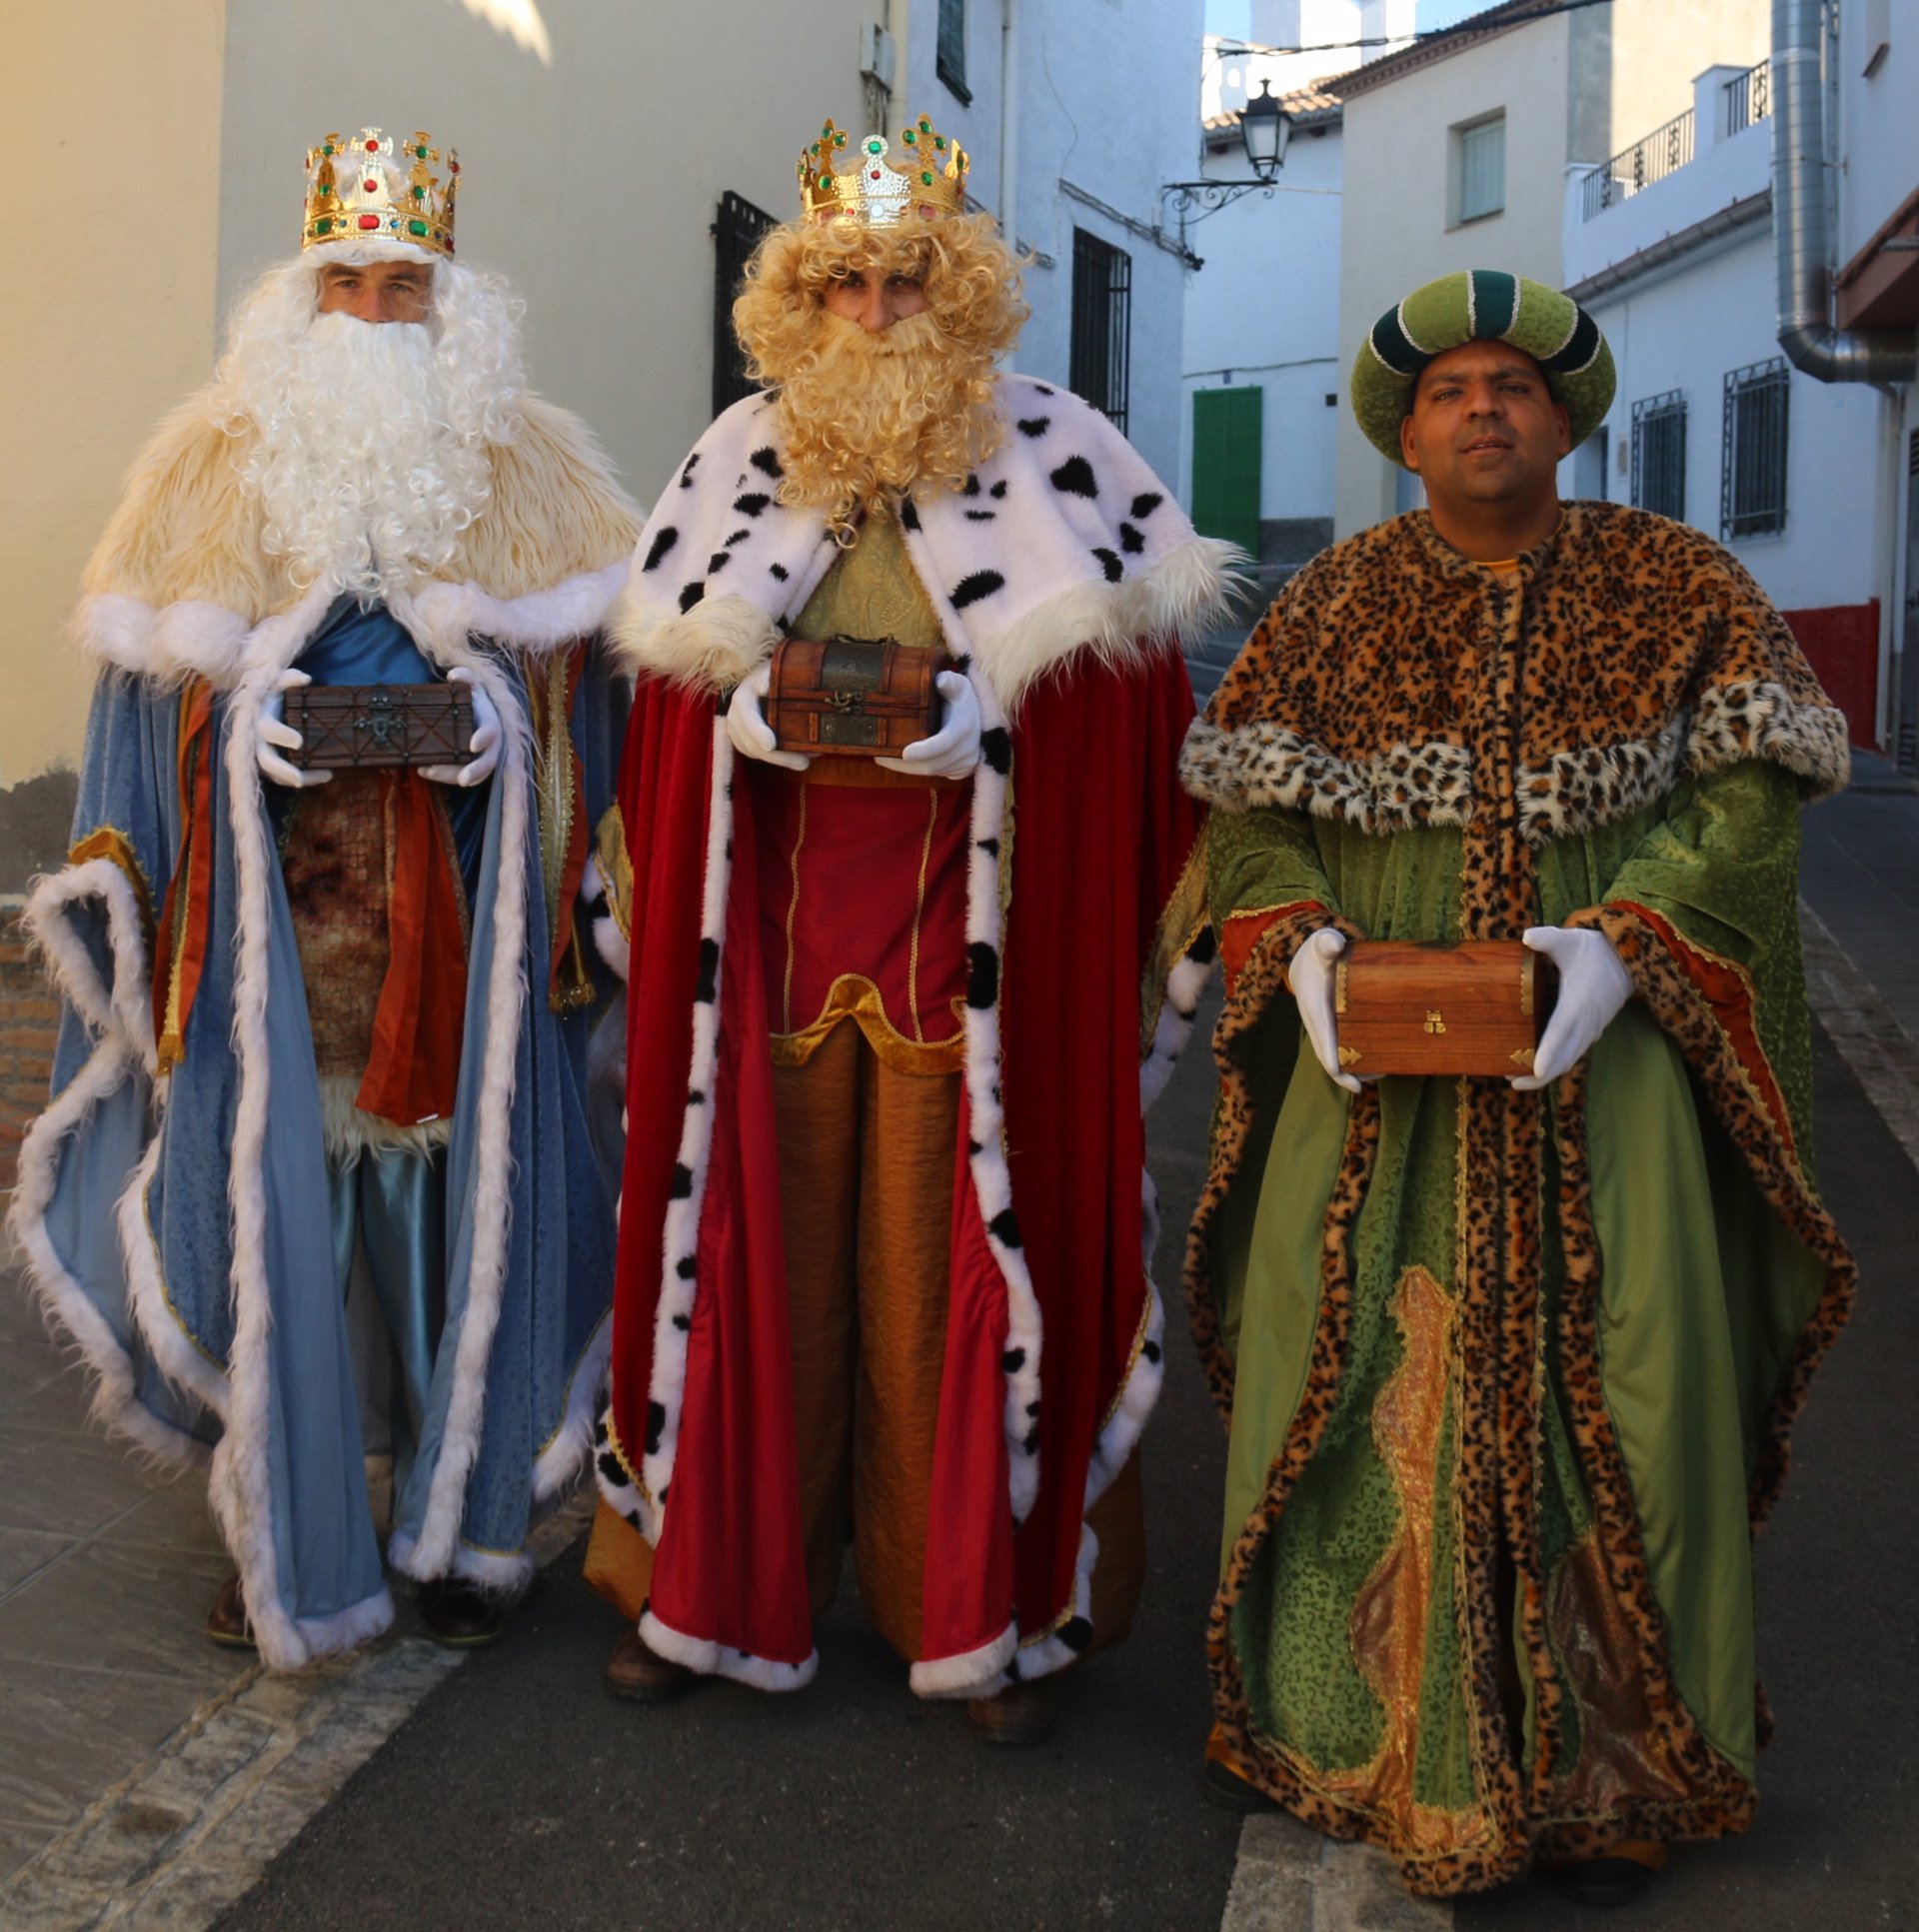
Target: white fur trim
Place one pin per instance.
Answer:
(148, 1307)
(680, 1238)
(1045, 1655)
(506, 1001)
(324, 1636)
(498, 1572)
(986, 1153)
(711, 646)
(1114, 623)
(534, 625)
(1184, 984)
(572, 1444)
(124, 1008)
(347, 1133)
(178, 641)
(712, 1659)
(241, 1487)
(972, 1673)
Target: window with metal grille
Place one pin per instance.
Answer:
(1752, 485)
(1101, 325)
(1659, 454)
(1480, 164)
(949, 62)
(737, 229)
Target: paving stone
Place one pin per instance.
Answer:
(19, 1841)
(188, 1898)
(35, 1901)
(23, 1551)
(113, 1850)
(124, 1607)
(191, 1775)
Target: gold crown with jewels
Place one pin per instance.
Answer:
(864, 183)
(362, 189)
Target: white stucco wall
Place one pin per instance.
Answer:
(1266, 310)
(1685, 331)
(1106, 103)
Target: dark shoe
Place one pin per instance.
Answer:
(1221, 1785)
(1021, 1714)
(638, 1673)
(1618, 1878)
(459, 1614)
(227, 1621)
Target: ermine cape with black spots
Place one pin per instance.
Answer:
(1063, 576)
(1511, 1372)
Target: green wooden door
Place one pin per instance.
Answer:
(1225, 464)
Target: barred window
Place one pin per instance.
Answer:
(1659, 454)
(1481, 168)
(1100, 358)
(1752, 488)
(949, 61)
(737, 229)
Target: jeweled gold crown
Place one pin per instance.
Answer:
(864, 183)
(361, 190)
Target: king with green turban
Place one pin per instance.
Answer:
(1508, 1365)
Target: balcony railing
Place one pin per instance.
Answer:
(1662, 152)
(1748, 97)
(1745, 100)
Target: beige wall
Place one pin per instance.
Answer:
(1395, 232)
(107, 317)
(1577, 88)
(180, 132)
(591, 182)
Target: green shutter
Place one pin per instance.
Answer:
(1225, 464)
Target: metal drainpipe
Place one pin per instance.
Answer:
(1800, 232)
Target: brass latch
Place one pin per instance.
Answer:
(1435, 1023)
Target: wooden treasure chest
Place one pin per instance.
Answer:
(1466, 1007)
(853, 697)
(348, 727)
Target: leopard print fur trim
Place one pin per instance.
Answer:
(1689, 1020)
(1406, 785)
(1268, 1764)
(1261, 980)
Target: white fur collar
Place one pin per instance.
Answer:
(1062, 542)
(192, 638)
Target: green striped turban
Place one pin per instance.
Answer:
(1481, 305)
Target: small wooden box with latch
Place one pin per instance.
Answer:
(350, 726)
(853, 697)
(1465, 1006)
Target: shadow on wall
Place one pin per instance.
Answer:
(36, 820)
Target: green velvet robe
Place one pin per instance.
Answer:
(1508, 1377)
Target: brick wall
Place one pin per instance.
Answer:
(29, 1018)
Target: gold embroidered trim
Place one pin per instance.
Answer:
(616, 868)
(853, 996)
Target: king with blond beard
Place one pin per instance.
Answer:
(885, 1226)
(317, 1187)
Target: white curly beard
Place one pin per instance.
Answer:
(370, 445)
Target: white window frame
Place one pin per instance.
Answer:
(1459, 149)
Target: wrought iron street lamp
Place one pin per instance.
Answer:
(1264, 129)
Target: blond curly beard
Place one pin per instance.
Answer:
(864, 417)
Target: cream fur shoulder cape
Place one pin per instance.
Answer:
(182, 577)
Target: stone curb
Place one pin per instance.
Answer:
(191, 1830)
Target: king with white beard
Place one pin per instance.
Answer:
(320, 1189)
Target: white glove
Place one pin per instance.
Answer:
(1593, 985)
(1311, 974)
(747, 722)
(274, 730)
(953, 749)
(484, 744)
(592, 885)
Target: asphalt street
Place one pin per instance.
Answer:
(521, 1795)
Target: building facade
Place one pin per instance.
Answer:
(619, 163)
(1673, 244)
(1456, 153)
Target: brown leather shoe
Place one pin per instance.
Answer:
(459, 1614)
(1221, 1782)
(638, 1673)
(227, 1621)
(1021, 1714)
